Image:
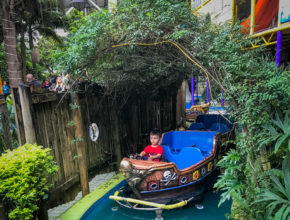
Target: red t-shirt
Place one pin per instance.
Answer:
(151, 151)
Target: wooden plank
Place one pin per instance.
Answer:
(39, 124)
(18, 116)
(48, 113)
(37, 89)
(71, 136)
(56, 143)
(81, 147)
(27, 115)
(63, 141)
(46, 97)
(67, 138)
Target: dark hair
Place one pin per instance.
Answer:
(155, 132)
(52, 79)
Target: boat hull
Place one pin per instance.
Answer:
(194, 191)
(163, 182)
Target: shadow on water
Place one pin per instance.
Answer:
(210, 211)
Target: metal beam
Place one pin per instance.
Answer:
(69, 10)
(253, 13)
(95, 5)
(233, 11)
(273, 30)
(200, 6)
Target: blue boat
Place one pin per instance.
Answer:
(189, 167)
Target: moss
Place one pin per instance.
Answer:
(238, 213)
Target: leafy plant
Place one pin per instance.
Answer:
(277, 197)
(230, 181)
(248, 78)
(12, 125)
(279, 133)
(23, 179)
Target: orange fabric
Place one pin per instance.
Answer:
(266, 10)
(1, 90)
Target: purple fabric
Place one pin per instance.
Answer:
(207, 92)
(196, 88)
(222, 98)
(192, 90)
(279, 46)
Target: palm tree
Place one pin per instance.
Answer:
(10, 45)
(10, 42)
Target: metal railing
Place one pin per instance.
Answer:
(197, 4)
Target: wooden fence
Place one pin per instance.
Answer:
(127, 130)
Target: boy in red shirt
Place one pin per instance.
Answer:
(154, 151)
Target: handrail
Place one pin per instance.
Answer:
(200, 6)
(151, 204)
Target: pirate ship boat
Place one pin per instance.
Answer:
(196, 110)
(216, 122)
(192, 110)
(190, 169)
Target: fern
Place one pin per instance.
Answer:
(278, 197)
(280, 134)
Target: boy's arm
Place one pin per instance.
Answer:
(142, 154)
(154, 157)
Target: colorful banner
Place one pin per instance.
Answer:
(284, 11)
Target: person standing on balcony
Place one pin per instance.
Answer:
(6, 89)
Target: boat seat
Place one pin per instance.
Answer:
(210, 120)
(222, 128)
(197, 126)
(187, 156)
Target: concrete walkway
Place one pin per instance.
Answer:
(55, 212)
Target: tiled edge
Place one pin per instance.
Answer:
(82, 206)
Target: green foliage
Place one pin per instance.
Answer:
(128, 70)
(73, 106)
(231, 180)
(23, 179)
(71, 123)
(277, 197)
(279, 134)
(75, 20)
(3, 64)
(76, 140)
(12, 125)
(252, 84)
(46, 47)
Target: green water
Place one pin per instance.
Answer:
(210, 211)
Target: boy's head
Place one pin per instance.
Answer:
(155, 136)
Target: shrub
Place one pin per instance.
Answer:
(23, 179)
(277, 197)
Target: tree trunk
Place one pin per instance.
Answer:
(10, 44)
(81, 146)
(5, 123)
